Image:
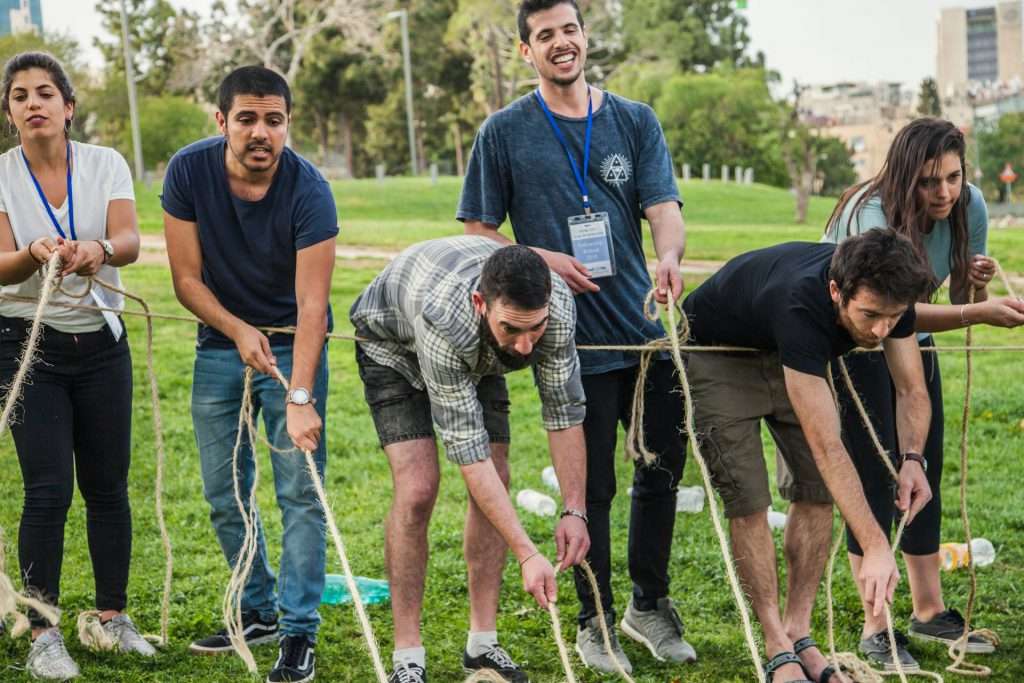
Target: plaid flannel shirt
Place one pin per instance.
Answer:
(418, 315)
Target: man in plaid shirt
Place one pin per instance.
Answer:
(443, 323)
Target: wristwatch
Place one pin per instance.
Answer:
(916, 457)
(108, 250)
(299, 396)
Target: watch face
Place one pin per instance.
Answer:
(300, 396)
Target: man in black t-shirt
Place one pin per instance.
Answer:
(803, 305)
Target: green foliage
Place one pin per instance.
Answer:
(724, 117)
(1003, 143)
(66, 50)
(169, 123)
(835, 166)
(928, 101)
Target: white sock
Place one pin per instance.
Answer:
(480, 642)
(410, 655)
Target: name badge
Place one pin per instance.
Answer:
(592, 243)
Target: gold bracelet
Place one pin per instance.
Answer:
(528, 558)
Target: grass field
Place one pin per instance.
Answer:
(722, 222)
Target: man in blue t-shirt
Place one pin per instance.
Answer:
(250, 228)
(575, 170)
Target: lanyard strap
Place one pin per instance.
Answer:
(581, 178)
(46, 202)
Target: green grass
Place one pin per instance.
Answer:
(358, 484)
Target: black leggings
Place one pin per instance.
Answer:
(870, 376)
(73, 420)
(653, 505)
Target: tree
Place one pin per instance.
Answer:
(928, 102)
(169, 123)
(999, 145)
(835, 167)
(697, 35)
(726, 117)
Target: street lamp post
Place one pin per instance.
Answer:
(403, 16)
(133, 109)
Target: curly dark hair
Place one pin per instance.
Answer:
(883, 261)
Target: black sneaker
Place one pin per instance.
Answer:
(497, 660)
(255, 629)
(408, 673)
(296, 663)
(947, 628)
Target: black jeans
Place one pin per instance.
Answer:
(73, 420)
(870, 376)
(653, 507)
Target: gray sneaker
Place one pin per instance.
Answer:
(126, 636)
(49, 659)
(947, 628)
(661, 630)
(590, 647)
(876, 649)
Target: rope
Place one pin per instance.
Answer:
(563, 652)
(691, 431)
(339, 546)
(602, 624)
(92, 634)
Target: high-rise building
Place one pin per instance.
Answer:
(20, 16)
(979, 47)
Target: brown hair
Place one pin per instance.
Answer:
(883, 261)
(919, 142)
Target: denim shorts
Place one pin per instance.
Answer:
(401, 412)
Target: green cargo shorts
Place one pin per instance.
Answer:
(732, 393)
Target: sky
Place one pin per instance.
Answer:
(813, 41)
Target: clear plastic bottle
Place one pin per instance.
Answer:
(955, 555)
(776, 519)
(371, 591)
(690, 499)
(536, 502)
(550, 479)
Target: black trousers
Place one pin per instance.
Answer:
(73, 421)
(871, 378)
(653, 506)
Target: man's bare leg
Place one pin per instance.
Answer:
(925, 585)
(485, 553)
(807, 541)
(754, 550)
(415, 475)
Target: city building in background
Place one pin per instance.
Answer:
(20, 16)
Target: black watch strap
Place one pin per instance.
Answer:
(916, 457)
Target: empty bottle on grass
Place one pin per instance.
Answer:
(536, 502)
(550, 478)
(776, 519)
(690, 499)
(955, 555)
(371, 591)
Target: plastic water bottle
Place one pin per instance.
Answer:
(536, 502)
(371, 591)
(955, 555)
(690, 499)
(550, 479)
(776, 519)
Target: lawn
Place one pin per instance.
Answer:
(722, 221)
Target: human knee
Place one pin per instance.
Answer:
(415, 498)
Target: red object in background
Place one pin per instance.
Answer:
(1008, 175)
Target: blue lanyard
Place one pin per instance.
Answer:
(46, 202)
(581, 179)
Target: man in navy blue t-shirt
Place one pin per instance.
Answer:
(250, 228)
(575, 169)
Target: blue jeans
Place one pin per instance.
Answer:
(216, 401)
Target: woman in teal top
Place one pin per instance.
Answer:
(921, 192)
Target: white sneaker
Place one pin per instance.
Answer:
(49, 659)
(127, 637)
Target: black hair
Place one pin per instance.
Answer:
(518, 277)
(528, 8)
(24, 61)
(884, 262)
(253, 80)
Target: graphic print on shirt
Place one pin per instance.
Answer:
(616, 169)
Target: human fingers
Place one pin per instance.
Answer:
(561, 541)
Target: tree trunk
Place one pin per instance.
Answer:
(323, 127)
(499, 79)
(457, 139)
(345, 126)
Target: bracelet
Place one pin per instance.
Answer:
(916, 457)
(963, 317)
(569, 512)
(528, 558)
(38, 262)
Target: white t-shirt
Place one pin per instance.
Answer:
(99, 175)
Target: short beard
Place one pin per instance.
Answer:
(566, 82)
(510, 359)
